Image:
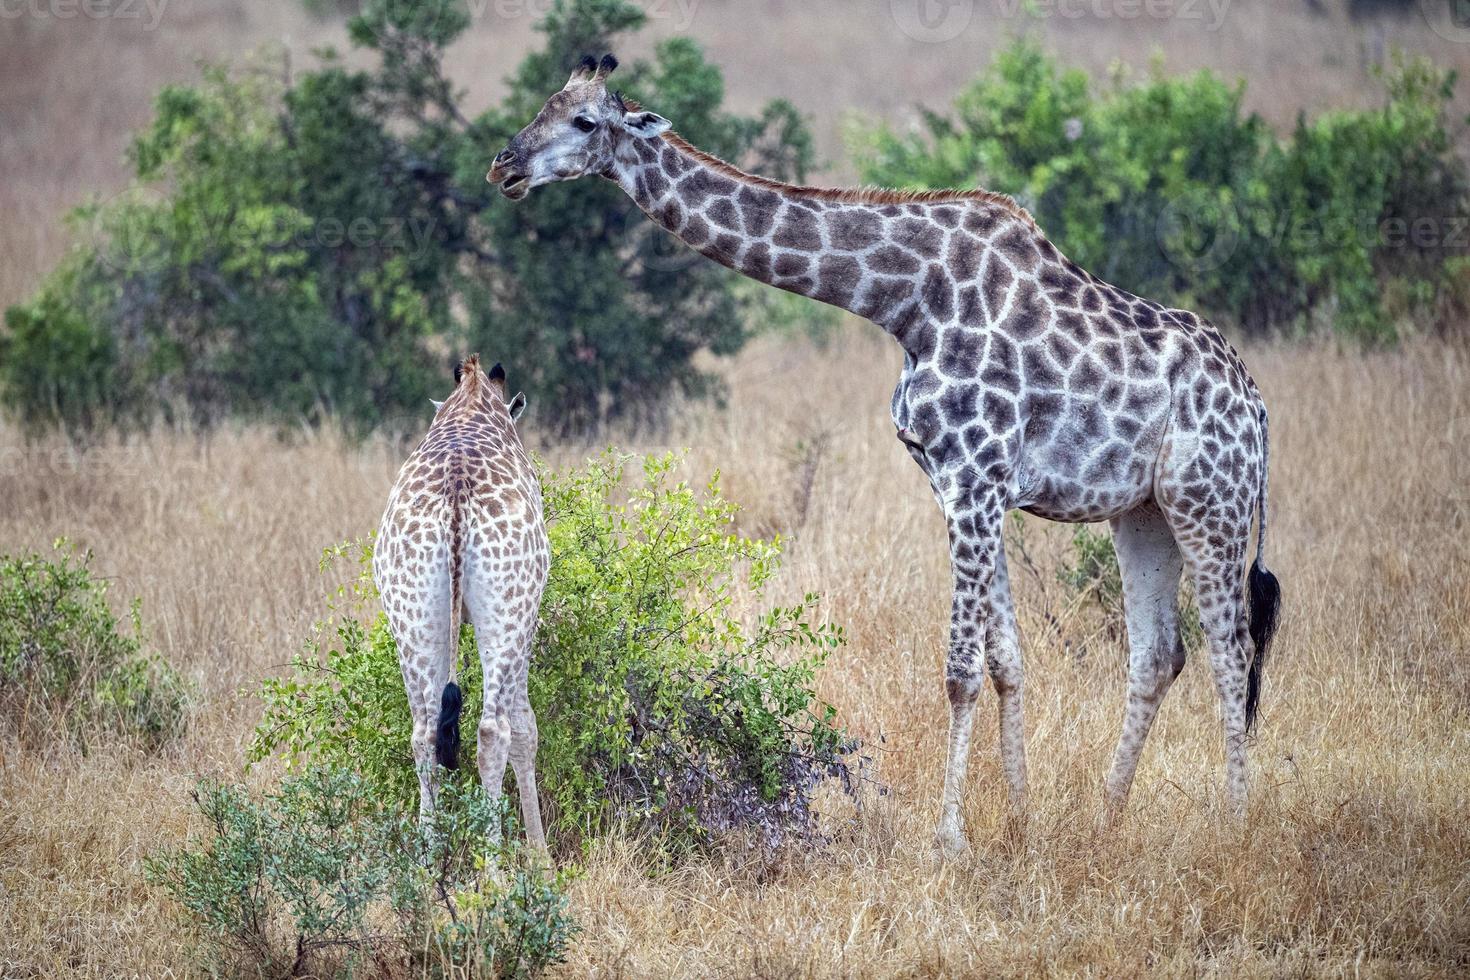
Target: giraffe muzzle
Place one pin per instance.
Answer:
(512, 182)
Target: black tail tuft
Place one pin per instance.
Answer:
(446, 739)
(1265, 607)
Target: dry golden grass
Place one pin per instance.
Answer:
(1354, 859)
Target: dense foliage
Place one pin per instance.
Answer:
(321, 241)
(320, 878)
(659, 710)
(1167, 188)
(67, 669)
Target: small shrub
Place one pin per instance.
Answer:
(512, 922)
(659, 710)
(65, 663)
(320, 876)
(1090, 575)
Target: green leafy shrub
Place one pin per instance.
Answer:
(320, 876)
(311, 242)
(659, 710)
(1091, 577)
(1166, 187)
(64, 663)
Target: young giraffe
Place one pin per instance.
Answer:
(1027, 383)
(464, 531)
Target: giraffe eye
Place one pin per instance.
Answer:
(584, 124)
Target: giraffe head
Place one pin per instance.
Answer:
(472, 385)
(577, 132)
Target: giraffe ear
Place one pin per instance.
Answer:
(646, 123)
(437, 404)
(517, 405)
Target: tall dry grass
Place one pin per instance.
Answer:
(1354, 859)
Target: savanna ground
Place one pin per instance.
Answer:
(1355, 858)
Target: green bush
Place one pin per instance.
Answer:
(1092, 579)
(1167, 188)
(64, 664)
(321, 877)
(311, 243)
(659, 710)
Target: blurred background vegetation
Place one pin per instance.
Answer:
(1166, 187)
(323, 244)
(301, 244)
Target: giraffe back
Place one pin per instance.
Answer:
(463, 529)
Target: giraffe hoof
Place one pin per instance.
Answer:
(951, 845)
(1110, 815)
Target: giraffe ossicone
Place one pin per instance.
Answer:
(1027, 384)
(464, 535)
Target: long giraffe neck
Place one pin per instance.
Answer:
(904, 261)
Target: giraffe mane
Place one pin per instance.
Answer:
(845, 195)
(467, 387)
(474, 389)
(468, 366)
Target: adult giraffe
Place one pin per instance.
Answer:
(1027, 383)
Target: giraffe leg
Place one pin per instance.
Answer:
(1214, 548)
(493, 744)
(1222, 614)
(493, 739)
(974, 519)
(423, 759)
(1151, 564)
(523, 742)
(1003, 662)
(423, 678)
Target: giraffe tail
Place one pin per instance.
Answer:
(1264, 594)
(446, 735)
